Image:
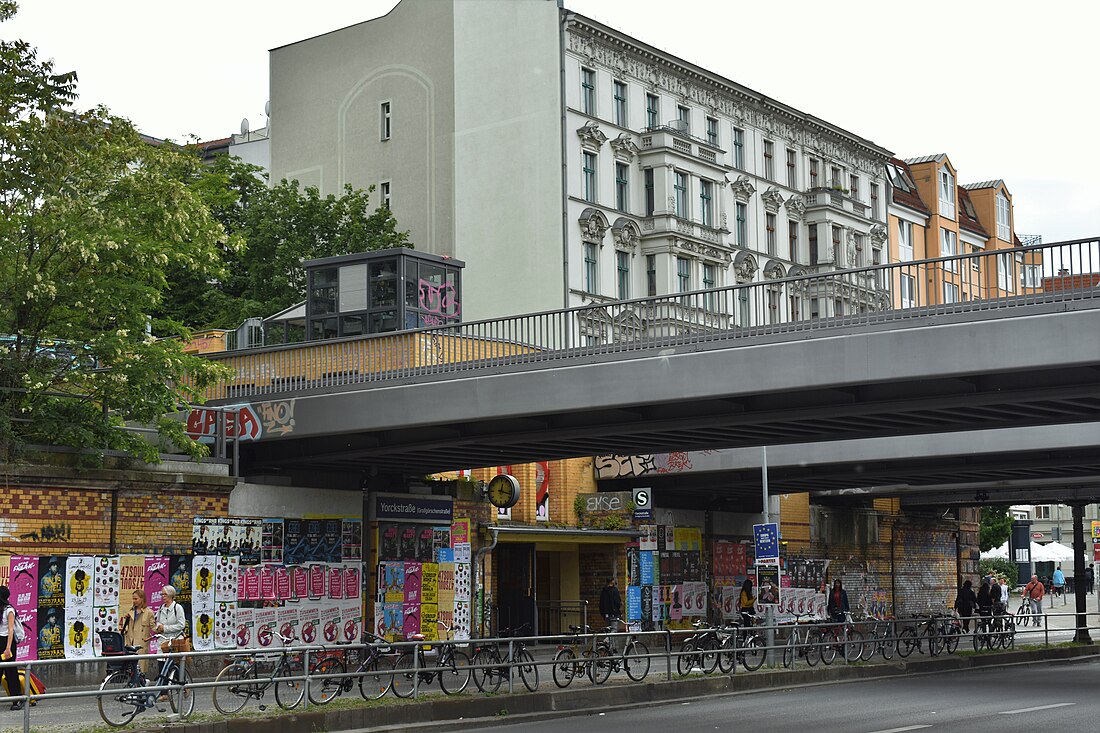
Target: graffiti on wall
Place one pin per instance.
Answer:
(250, 422)
(277, 417)
(609, 467)
(440, 302)
(60, 532)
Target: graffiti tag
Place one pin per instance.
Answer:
(277, 417)
(442, 300)
(239, 419)
(49, 533)
(608, 467)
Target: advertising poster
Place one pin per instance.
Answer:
(647, 603)
(412, 582)
(51, 633)
(78, 632)
(353, 586)
(462, 582)
(299, 582)
(271, 541)
(294, 542)
(411, 624)
(289, 622)
(23, 584)
(248, 587)
(648, 541)
(429, 583)
(335, 582)
(460, 532)
(179, 576)
(51, 582)
(425, 544)
(389, 542)
(645, 567)
(350, 623)
(106, 619)
(267, 583)
(633, 571)
(250, 548)
(245, 634)
(132, 578)
(392, 622)
(225, 625)
(407, 542)
(767, 586)
(633, 603)
(318, 574)
(727, 595)
(156, 577)
(225, 579)
(203, 624)
(676, 602)
(352, 542)
(332, 539)
(462, 552)
(107, 574)
(441, 539)
(202, 581)
(309, 621)
(445, 554)
(429, 622)
(445, 582)
(330, 623)
(391, 579)
(283, 590)
(462, 620)
(79, 582)
(265, 623)
(314, 541)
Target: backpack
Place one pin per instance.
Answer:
(17, 628)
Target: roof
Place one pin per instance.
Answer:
(219, 143)
(938, 158)
(984, 184)
(902, 197)
(966, 221)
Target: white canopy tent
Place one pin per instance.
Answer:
(1053, 552)
(997, 552)
(1059, 552)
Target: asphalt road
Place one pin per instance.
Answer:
(1064, 697)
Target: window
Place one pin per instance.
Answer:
(874, 202)
(651, 275)
(834, 177)
(712, 131)
(742, 225)
(770, 227)
(905, 241)
(1031, 276)
(853, 186)
(947, 194)
(622, 267)
(811, 240)
(384, 192)
(908, 291)
(681, 194)
(949, 247)
(1042, 512)
(815, 165)
(792, 239)
(738, 148)
(588, 91)
(710, 299)
(591, 284)
(622, 186)
(384, 121)
(649, 197)
(652, 111)
(706, 207)
(683, 116)
(589, 170)
(620, 103)
(683, 276)
(950, 293)
(1005, 278)
(876, 259)
(794, 302)
(791, 172)
(1004, 218)
(769, 160)
(773, 306)
(836, 243)
(975, 262)
(743, 307)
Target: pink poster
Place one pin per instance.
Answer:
(23, 583)
(335, 583)
(252, 584)
(351, 583)
(282, 584)
(267, 583)
(156, 577)
(317, 581)
(411, 617)
(300, 581)
(242, 583)
(412, 586)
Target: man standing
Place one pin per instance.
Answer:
(611, 604)
(1090, 578)
(1059, 581)
(1033, 592)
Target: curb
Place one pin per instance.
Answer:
(464, 712)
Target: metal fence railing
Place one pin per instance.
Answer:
(579, 657)
(785, 302)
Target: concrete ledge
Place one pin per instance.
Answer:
(439, 713)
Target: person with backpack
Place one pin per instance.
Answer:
(11, 633)
(1033, 592)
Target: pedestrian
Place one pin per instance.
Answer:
(1034, 592)
(137, 628)
(171, 622)
(1003, 581)
(965, 602)
(1059, 581)
(995, 594)
(611, 604)
(837, 606)
(1090, 578)
(8, 619)
(746, 603)
(985, 607)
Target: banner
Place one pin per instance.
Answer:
(23, 584)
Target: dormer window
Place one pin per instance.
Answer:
(947, 194)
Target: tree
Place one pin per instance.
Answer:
(995, 527)
(92, 217)
(281, 226)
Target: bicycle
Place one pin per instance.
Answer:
(375, 674)
(1024, 614)
(634, 659)
(840, 637)
(489, 678)
(700, 650)
(123, 692)
(571, 661)
(1004, 628)
(452, 666)
(740, 644)
(240, 681)
(879, 637)
(801, 642)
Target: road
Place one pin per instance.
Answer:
(1043, 697)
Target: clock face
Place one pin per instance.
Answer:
(503, 491)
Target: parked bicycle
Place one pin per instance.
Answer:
(840, 638)
(802, 642)
(578, 659)
(452, 667)
(741, 644)
(489, 677)
(878, 637)
(699, 651)
(124, 693)
(240, 680)
(329, 678)
(634, 658)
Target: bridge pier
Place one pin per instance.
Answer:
(1081, 635)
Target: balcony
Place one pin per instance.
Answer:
(836, 198)
(671, 139)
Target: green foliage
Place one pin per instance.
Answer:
(613, 522)
(281, 226)
(999, 566)
(995, 528)
(92, 217)
(580, 509)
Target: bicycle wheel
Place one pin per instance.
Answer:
(528, 670)
(119, 702)
(727, 654)
(322, 691)
(599, 664)
(752, 653)
(907, 641)
(932, 639)
(828, 641)
(636, 660)
(887, 644)
(566, 667)
(455, 675)
(289, 693)
(376, 678)
(790, 650)
(870, 646)
(952, 638)
(687, 660)
(979, 639)
(811, 650)
(182, 701)
(853, 645)
(708, 656)
(404, 675)
(489, 677)
(238, 683)
(1009, 641)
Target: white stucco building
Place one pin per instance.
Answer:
(567, 163)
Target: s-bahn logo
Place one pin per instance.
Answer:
(202, 423)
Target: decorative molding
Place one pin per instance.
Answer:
(705, 251)
(796, 207)
(743, 188)
(626, 235)
(624, 147)
(772, 199)
(744, 267)
(878, 234)
(593, 226)
(591, 135)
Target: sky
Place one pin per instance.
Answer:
(1007, 88)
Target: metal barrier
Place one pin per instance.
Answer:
(596, 656)
(785, 302)
(554, 617)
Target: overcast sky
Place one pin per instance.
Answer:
(1007, 88)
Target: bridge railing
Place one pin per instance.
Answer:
(785, 301)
